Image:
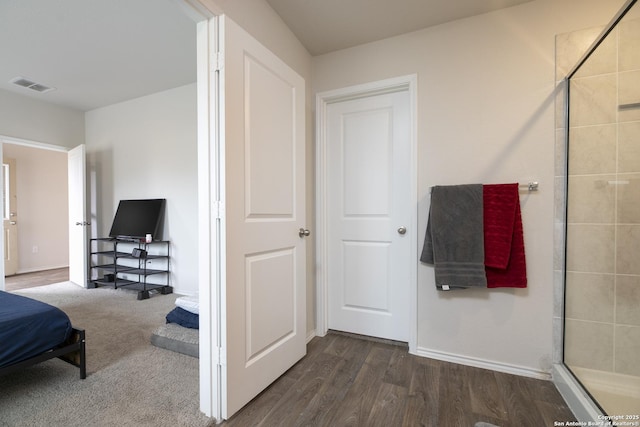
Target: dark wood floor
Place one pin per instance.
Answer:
(37, 278)
(347, 381)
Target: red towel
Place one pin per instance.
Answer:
(505, 263)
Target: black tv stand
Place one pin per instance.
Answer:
(114, 264)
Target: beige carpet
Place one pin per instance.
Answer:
(129, 382)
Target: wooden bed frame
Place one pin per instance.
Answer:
(71, 351)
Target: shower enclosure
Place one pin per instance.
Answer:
(598, 172)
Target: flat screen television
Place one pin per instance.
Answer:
(135, 219)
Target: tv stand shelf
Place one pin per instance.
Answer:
(114, 264)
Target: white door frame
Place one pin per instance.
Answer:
(209, 265)
(210, 118)
(27, 143)
(323, 99)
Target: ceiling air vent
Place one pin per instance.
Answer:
(21, 81)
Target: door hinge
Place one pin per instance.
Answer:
(219, 357)
(218, 209)
(217, 61)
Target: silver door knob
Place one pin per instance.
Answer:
(303, 232)
(402, 230)
(12, 222)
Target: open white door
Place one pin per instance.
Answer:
(77, 216)
(10, 209)
(263, 310)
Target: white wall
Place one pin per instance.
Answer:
(485, 115)
(146, 148)
(28, 118)
(42, 207)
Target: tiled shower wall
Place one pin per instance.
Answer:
(602, 310)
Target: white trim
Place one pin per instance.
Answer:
(205, 273)
(4, 139)
(311, 335)
(323, 99)
(219, 121)
(483, 363)
(34, 144)
(205, 14)
(39, 269)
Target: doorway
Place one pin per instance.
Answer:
(42, 179)
(10, 209)
(366, 210)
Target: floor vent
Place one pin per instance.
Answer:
(26, 83)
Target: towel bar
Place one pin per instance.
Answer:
(531, 186)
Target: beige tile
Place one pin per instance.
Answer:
(571, 46)
(628, 187)
(588, 344)
(628, 249)
(627, 350)
(558, 246)
(560, 105)
(591, 199)
(629, 115)
(593, 100)
(558, 337)
(603, 60)
(629, 93)
(560, 153)
(590, 248)
(592, 149)
(558, 293)
(628, 300)
(628, 42)
(559, 196)
(590, 297)
(629, 87)
(628, 147)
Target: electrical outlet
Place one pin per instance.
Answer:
(34, 250)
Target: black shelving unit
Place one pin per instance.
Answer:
(114, 264)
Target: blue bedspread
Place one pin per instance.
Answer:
(29, 327)
(183, 318)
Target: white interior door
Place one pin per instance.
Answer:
(264, 309)
(10, 213)
(77, 216)
(369, 210)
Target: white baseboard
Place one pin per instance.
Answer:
(311, 335)
(483, 363)
(39, 269)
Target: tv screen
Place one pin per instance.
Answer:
(135, 219)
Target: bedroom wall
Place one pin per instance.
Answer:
(43, 209)
(28, 118)
(146, 148)
(485, 115)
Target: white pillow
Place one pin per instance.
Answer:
(189, 303)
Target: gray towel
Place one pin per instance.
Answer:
(454, 241)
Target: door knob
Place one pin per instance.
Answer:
(402, 230)
(12, 222)
(303, 232)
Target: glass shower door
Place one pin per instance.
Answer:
(602, 258)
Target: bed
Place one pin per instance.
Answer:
(32, 332)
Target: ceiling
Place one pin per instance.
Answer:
(327, 25)
(97, 53)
